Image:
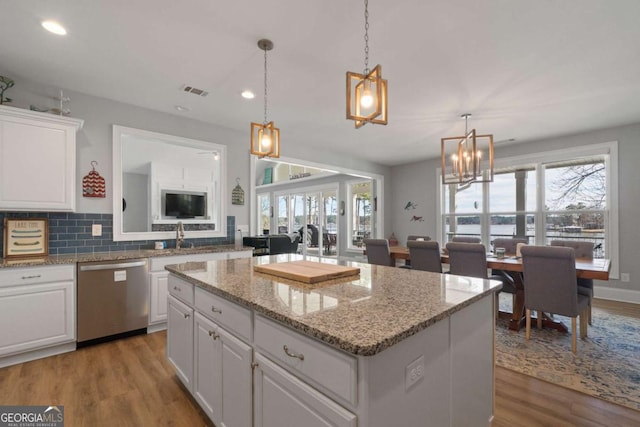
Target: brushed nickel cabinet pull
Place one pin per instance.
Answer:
(175, 288)
(292, 354)
(213, 335)
(35, 276)
(186, 315)
(216, 310)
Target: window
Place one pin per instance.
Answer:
(360, 209)
(566, 194)
(264, 213)
(576, 202)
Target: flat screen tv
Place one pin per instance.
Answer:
(184, 204)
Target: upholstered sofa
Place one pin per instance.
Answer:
(283, 244)
(273, 245)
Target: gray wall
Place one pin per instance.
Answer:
(418, 182)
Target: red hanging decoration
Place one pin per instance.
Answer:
(93, 184)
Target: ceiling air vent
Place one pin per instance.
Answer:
(194, 90)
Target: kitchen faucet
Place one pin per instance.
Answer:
(179, 235)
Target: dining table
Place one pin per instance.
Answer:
(596, 268)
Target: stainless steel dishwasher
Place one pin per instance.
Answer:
(112, 299)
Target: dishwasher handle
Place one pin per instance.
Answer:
(97, 267)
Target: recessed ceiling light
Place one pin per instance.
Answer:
(54, 27)
(247, 94)
(182, 108)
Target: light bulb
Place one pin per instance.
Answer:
(265, 141)
(366, 99)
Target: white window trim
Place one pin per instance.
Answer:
(349, 212)
(609, 148)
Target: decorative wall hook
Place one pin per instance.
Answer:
(93, 185)
(237, 195)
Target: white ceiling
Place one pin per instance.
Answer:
(525, 69)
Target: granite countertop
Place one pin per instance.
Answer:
(361, 315)
(116, 255)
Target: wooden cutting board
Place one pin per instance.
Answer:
(307, 271)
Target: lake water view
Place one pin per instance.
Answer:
(508, 230)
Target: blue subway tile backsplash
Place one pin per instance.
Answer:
(70, 233)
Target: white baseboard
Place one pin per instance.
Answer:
(616, 294)
(37, 354)
(157, 327)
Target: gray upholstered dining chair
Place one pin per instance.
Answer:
(378, 252)
(551, 286)
(470, 259)
(425, 255)
(465, 239)
(584, 250)
(411, 237)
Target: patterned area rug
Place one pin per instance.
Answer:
(607, 365)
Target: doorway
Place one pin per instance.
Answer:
(314, 215)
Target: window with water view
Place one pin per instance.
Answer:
(541, 201)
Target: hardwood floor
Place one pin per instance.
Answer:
(130, 383)
(121, 383)
(532, 402)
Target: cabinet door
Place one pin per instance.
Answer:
(36, 316)
(180, 339)
(37, 164)
(222, 374)
(282, 400)
(158, 291)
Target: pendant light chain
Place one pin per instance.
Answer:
(366, 37)
(265, 86)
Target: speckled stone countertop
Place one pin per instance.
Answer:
(114, 256)
(361, 315)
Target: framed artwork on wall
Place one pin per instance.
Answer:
(26, 237)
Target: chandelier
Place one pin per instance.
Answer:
(367, 92)
(265, 137)
(467, 159)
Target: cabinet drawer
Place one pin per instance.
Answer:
(181, 289)
(332, 370)
(34, 275)
(230, 315)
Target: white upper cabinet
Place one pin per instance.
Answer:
(37, 161)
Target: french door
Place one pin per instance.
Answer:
(313, 214)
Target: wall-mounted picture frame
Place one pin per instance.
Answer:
(26, 237)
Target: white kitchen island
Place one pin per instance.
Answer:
(390, 347)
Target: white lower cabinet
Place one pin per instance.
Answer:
(222, 374)
(158, 292)
(237, 386)
(37, 311)
(180, 339)
(282, 400)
